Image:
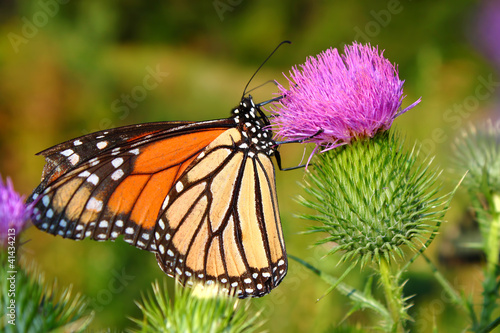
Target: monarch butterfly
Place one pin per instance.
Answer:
(200, 195)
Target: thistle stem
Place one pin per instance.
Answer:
(493, 246)
(392, 295)
(490, 291)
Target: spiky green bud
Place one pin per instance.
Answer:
(372, 197)
(30, 304)
(200, 309)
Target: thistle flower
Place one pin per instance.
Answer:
(478, 152)
(487, 30)
(13, 212)
(334, 98)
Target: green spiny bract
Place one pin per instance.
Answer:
(200, 309)
(372, 197)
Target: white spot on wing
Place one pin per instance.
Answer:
(94, 161)
(94, 205)
(117, 174)
(179, 187)
(77, 142)
(93, 178)
(117, 162)
(84, 174)
(74, 159)
(165, 202)
(102, 144)
(67, 152)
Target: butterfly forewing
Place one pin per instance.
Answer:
(120, 189)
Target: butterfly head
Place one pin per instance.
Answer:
(254, 126)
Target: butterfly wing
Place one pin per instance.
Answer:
(200, 195)
(221, 223)
(113, 182)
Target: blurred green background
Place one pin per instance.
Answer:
(67, 66)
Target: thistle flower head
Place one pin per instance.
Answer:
(487, 30)
(13, 212)
(333, 99)
(478, 151)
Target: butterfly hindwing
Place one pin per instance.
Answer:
(221, 222)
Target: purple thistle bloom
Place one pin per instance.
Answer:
(334, 98)
(487, 23)
(13, 212)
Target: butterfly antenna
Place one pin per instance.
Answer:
(258, 69)
(263, 84)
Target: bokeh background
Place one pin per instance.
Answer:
(70, 67)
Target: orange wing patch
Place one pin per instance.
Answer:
(125, 195)
(168, 152)
(145, 211)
